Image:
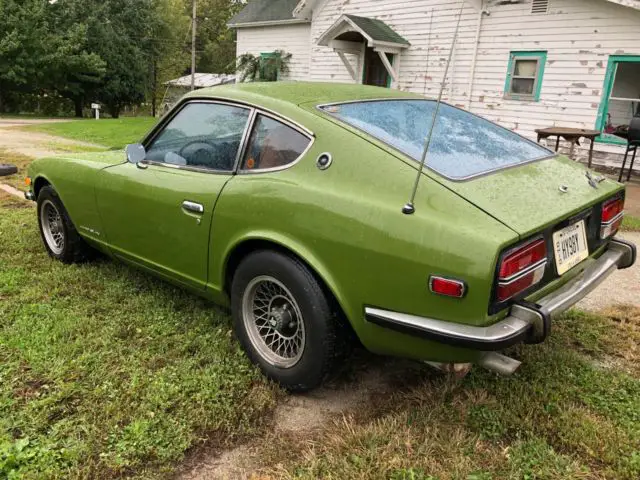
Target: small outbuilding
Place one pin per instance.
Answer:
(178, 87)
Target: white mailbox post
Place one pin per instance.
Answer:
(96, 108)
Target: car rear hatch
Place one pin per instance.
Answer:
(546, 201)
(531, 197)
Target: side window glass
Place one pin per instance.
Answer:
(273, 145)
(204, 135)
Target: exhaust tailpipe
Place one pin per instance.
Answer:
(499, 363)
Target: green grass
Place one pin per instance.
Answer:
(106, 372)
(112, 133)
(631, 224)
(572, 411)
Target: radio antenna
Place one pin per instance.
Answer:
(409, 208)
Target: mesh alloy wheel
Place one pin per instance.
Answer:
(52, 227)
(273, 321)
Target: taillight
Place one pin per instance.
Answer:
(521, 268)
(612, 214)
(447, 287)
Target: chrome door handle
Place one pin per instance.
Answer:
(193, 207)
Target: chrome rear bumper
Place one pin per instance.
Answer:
(526, 322)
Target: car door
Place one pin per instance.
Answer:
(158, 213)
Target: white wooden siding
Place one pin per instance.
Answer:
(578, 35)
(293, 39)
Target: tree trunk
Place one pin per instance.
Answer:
(114, 111)
(77, 102)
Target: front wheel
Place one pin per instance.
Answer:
(59, 236)
(284, 320)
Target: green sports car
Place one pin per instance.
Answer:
(285, 202)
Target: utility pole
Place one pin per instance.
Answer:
(193, 47)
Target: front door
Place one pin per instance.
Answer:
(158, 213)
(375, 72)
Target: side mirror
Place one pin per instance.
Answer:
(135, 153)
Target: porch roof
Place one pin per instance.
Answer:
(374, 30)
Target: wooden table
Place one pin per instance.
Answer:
(572, 135)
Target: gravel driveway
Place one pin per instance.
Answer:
(33, 144)
(621, 288)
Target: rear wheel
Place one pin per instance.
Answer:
(59, 236)
(284, 320)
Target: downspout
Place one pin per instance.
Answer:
(474, 59)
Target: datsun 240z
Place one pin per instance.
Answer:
(285, 202)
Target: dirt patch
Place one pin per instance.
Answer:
(300, 416)
(34, 144)
(8, 200)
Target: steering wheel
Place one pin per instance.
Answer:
(199, 153)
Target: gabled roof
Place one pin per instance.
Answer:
(265, 12)
(375, 31)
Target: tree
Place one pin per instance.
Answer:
(43, 49)
(74, 71)
(117, 34)
(118, 52)
(216, 43)
(169, 54)
(22, 31)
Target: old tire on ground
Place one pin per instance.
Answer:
(284, 320)
(59, 236)
(7, 169)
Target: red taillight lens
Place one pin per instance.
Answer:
(522, 258)
(447, 287)
(612, 214)
(521, 268)
(611, 209)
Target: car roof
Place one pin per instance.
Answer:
(298, 93)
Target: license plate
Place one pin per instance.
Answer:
(570, 246)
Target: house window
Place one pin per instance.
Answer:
(620, 98)
(524, 75)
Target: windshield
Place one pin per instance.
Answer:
(463, 145)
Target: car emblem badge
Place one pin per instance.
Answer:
(594, 180)
(563, 188)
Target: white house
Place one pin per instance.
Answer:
(525, 64)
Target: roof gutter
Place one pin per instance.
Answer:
(269, 23)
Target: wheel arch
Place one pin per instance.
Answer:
(39, 183)
(246, 246)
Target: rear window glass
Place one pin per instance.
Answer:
(463, 145)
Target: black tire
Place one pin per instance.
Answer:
(7, 169)
(324, 338)
(73, 248)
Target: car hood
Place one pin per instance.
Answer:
(528, 197)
